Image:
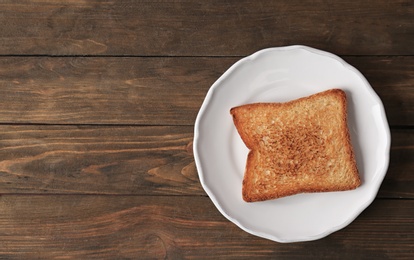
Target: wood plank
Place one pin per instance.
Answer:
(104, 160)
(107, 227)
(153, 91)
(182, 27)
(399, 181)
(133, 160)
(148, 91)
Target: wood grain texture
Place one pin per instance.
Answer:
(148, 91)
(204, 28)
(108, 227)
(399, 181)
(97, 160)
(133, 160)
(153, 91)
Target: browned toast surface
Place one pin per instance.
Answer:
(296, 147)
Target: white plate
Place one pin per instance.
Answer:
(277, 75)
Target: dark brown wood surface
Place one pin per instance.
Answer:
(161, 227)
(130, 160)
(205, 28)
(153, 90)
(97, 107)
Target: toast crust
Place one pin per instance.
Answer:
(296, 147)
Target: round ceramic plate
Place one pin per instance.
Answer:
(279, 75)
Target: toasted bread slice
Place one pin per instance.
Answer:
(296, 147)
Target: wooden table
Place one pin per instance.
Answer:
(97, 107)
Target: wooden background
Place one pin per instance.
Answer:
(97, 107)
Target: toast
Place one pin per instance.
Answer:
(296, 147)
